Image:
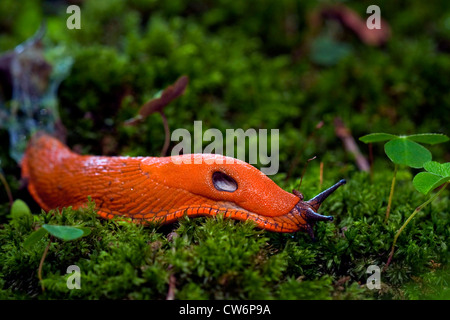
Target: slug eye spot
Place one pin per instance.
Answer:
(223, 182)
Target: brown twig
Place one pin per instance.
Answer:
(42, 263)
(8, 190)
(172, 283)
(353, 22)
(321, 175)
(371, 160)
(350, 145)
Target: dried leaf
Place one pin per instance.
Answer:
(157, 104)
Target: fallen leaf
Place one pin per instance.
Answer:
(157, 104)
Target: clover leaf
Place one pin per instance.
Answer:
(428, 138)
(65, 233)
(406, 150)
(436, 175)
(377, 137)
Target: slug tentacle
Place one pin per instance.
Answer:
(314, 216)
(152, 189)
(317, 200)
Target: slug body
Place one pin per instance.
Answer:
(148, 189)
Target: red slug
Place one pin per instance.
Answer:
(162, 190)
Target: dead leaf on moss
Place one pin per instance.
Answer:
(158, 104)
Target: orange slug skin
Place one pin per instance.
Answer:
(149, 189)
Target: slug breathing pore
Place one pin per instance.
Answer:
(164, 189)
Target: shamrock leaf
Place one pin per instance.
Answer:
(437, 175)
(66, 233)
(407, 152)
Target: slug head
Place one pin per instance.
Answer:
(231, 182)
(307, 210)
(244, 192)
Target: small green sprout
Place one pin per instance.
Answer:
(405, 150)
(19, 209)
(20, 213)
(437, 174)
(66, 233)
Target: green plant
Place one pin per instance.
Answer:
(405, 150)
(437, 174)
(66, 233)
